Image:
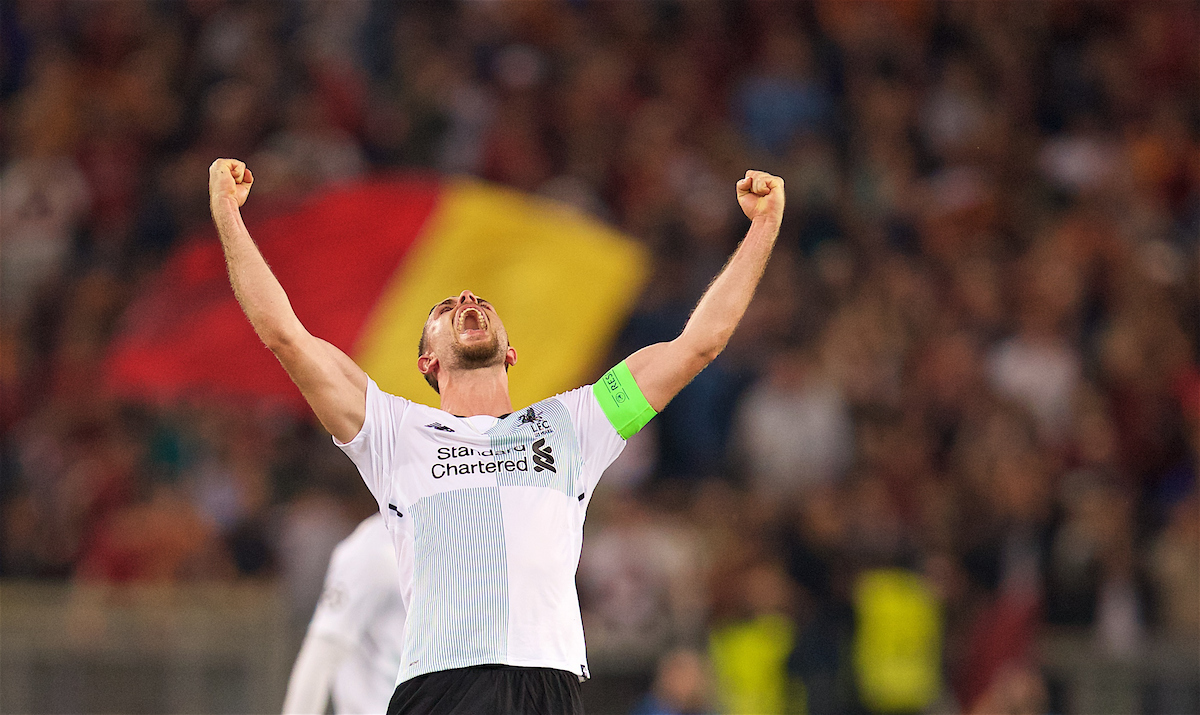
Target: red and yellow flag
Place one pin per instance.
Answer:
(363, 265)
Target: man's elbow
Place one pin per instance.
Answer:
(708, 353)
(281, 342)
(702, 352)
(278, 343)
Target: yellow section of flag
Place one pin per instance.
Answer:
(562, 282)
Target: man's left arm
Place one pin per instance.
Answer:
(311, 682)
(663, 369)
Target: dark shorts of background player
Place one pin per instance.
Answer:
(490, 690)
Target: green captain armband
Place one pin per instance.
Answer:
(622, 401)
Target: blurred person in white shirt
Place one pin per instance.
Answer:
(354, 643)
(794, 428)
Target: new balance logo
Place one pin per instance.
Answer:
(543, 457)
(439, 427)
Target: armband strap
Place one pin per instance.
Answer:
(622, 401)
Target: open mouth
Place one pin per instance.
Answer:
(470, 320)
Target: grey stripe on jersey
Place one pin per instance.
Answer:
(460, 562)
(566, 462)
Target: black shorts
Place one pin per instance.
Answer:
(489, 690)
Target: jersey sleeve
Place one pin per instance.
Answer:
(373, 449)
(361, 582)
(605, 415)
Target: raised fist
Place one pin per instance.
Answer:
(761, 195)
(229, 177)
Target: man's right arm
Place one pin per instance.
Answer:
(334, 386)
(661, 370)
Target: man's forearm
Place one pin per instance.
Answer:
(663, 369)
(721, 308)
(332, 384)
(257, 290)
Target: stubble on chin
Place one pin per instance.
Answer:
(478, 355)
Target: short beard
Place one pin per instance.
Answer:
(478, 355)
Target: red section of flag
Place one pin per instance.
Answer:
(186, 335)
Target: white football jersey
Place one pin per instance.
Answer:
(493, 510)
(364, 606)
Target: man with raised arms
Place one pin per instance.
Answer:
(491, 500)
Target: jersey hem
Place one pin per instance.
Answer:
(574, 669)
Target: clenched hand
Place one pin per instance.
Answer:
(229, 177)
(761, 195)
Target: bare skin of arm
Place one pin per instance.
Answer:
(334, 386)
(663, 369)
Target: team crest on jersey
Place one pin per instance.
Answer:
(541, 426)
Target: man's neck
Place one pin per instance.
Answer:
(475, 392)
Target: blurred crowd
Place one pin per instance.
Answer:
(964, 407)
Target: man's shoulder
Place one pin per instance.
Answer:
(399, 402)
(570, 400)
(371, 530)
(570, 397)
(575, 407)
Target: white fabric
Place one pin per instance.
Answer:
(493, 510)
(362, 609)
(312, 675)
